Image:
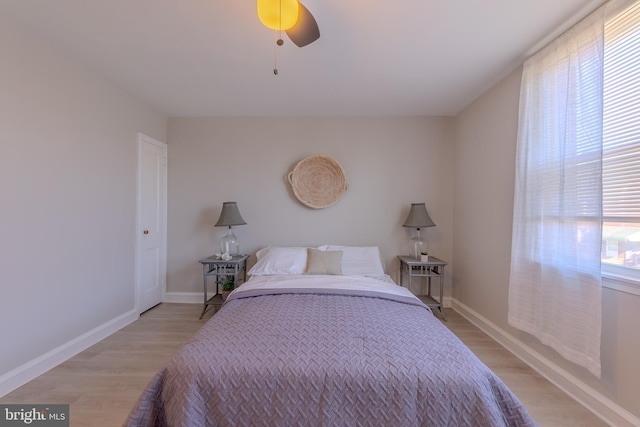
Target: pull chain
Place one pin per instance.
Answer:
(279, 42)
(275, 55)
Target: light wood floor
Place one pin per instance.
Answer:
(103, 382)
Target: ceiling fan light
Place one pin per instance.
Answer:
(278, 14)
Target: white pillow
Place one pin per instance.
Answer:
(358, 260)
(279, 260)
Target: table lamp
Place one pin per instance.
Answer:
(418, 218)
(229, 217)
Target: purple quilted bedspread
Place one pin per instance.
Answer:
(317, 359)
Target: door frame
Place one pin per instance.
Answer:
(143, 139)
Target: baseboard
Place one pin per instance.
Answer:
(587, 396)
(184, 297)
(38, 366)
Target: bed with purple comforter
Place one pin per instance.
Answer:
(326, 351)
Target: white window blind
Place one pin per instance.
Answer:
(621, 127)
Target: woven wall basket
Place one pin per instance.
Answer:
(318, 181)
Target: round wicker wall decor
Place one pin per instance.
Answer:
(318, 181)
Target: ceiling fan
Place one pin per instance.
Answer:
(289, 16)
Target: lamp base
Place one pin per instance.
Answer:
(418, 246)
(229, 244)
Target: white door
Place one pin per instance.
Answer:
(151, 250)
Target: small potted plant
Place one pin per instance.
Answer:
(424, 257)
(227, 286)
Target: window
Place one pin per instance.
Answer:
(621, 145)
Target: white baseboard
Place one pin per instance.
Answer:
(184, 297)
(38, 366)
(587, 396)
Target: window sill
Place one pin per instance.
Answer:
(621, 283)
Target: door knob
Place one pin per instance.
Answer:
(146, 231)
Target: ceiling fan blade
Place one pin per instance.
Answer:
(306, 30)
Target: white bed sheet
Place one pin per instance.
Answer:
(382, 284)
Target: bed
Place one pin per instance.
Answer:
(311, 340)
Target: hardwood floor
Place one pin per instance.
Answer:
(103, 382)
(546, 403)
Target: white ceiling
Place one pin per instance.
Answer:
(374, 58)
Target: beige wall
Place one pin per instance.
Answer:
(389, 163)
(68, 191)
(485, 168)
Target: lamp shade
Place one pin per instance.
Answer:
(230, 215)
(418, 217)
(278, 15)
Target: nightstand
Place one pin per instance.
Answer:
(412, 267)
(217, 270)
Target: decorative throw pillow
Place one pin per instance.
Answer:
(323, 262)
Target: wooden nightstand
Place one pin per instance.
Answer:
(412, 267)
(219, 269)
